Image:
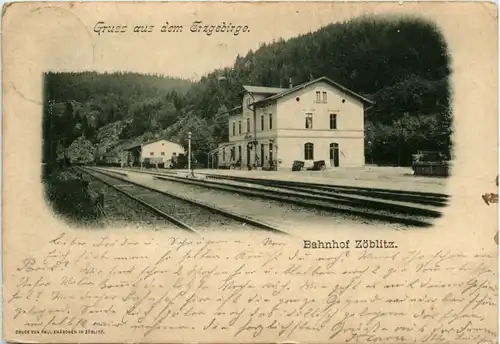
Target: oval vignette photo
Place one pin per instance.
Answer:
(347, 125)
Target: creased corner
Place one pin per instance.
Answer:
(5, 7)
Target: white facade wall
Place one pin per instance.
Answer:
(250, 125)
(351, 151)
(234, 122)
(288, 133)
(267, 118)
(348, 134)
(350, 114)
(261, 129)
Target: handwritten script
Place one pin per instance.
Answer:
(491, 197)
(193, 289)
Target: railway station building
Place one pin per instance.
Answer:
(157, 152)
(317, 120)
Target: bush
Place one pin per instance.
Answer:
(70, 196)
(81, 151)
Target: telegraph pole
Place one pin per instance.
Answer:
(189, 152)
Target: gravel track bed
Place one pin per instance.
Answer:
(332, 192)
(195, 216)
(344, 192)
(284, 215)
(120, 210)
(294, 207)
(305, 191)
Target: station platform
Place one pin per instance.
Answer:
(392, 178)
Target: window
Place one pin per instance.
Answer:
(248, 125)
(270, 121)
(309, 120)
(162, 153)
(318, 96)
(223, 154)
(239, 127)
(309, 151)
(234, 128)
(152, 153)
(271, 151)
(239, 153)
(174, 153)
(324, 97)
(262, 122)
(333, 121)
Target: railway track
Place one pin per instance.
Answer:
(387, 210)
(184, 212)
(108, 181)
(425, 198)
(118, 208)
(432, 199)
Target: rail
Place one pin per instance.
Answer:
(148, 206)
(335, 203)
(224, 212)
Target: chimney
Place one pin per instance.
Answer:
(290, 83)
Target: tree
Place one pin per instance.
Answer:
(402, 64)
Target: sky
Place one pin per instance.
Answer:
(73, 39)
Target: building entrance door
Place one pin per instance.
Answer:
(248, 156)
(334, 155)
(271, 152)
(262, 158)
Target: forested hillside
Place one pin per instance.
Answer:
(401, 64)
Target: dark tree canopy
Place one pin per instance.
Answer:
(400, 63)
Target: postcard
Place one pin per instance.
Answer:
(306, 172)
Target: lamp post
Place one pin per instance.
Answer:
(254, 113)
(189, 152)
(141, 157)
(371, 150)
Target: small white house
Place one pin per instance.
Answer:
(157, 152)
